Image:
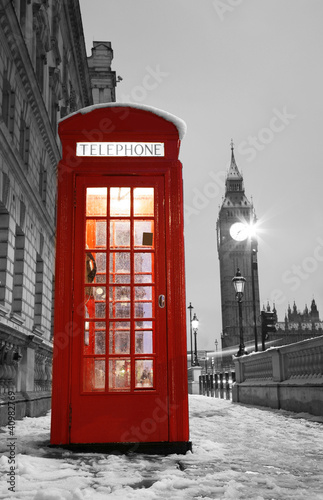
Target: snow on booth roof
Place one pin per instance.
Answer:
(178, 122)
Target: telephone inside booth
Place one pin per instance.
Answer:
(119, 374)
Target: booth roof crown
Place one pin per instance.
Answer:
(178, 122)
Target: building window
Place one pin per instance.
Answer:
(40, 62)
(5, 189)
(43, 183)
(24, 141)
(54, 111)
(18, 271)
(39, 291)
(73, 104)
(4, 238)
(8, 105)
(54, 76)
(22, 14)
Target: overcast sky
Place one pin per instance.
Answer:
(244, 69)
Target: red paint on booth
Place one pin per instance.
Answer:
(119, 371)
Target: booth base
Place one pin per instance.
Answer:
(159, 448)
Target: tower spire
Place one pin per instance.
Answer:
(234, 180)
(233, 160)
(233, 172)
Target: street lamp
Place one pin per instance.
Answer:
(216, 354)
(206, 362)
(190, 307)
(238, 283)
(253, 244)
(195, 325)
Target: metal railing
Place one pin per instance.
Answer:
(217, 384)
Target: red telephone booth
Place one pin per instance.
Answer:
(119, 371)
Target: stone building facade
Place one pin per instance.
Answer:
(44, 76)
(296, 326)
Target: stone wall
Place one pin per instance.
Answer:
(288, 377)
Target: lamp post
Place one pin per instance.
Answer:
(195, 325)
(238, 283)
(190, 307)
(216, 354)
(253, 268)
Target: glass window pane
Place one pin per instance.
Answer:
(144, 373)
(119, 302)
(95, 267)
(119, 234)
(99, 342)
(96, 234)
(119, 337)
(95, 302)
(120, 278)
(120, 201)
(143, 292)
(94, 337)
(99, 293)
(144, 342)
(119, 293)
(143, 310)
(86, 336)
(101, 234)
(96, 201)
(143, 324)
(119, 374)
(93, 374)
(119, 265)
(143, 233)
(143, 262)
(143, 200)
(101, 262)
(120, 310)
(143, 278)
(90, 267)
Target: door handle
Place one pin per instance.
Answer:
(161, 301)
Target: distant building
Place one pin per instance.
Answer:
(297, 325)
(103, 80)
(237, 249)
(44, 76)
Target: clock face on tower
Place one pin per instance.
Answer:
(239, 231)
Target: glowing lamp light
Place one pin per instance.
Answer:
(195, 322)
(238, 283)
(252, 230)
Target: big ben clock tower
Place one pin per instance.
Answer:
(237, 248)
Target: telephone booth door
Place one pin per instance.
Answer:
(119, 349)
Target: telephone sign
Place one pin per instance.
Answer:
(119, 374)
(119, 149)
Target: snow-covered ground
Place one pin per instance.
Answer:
(239, 452)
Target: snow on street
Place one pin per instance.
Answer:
(239, 452)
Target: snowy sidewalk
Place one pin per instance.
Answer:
(239, 452)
